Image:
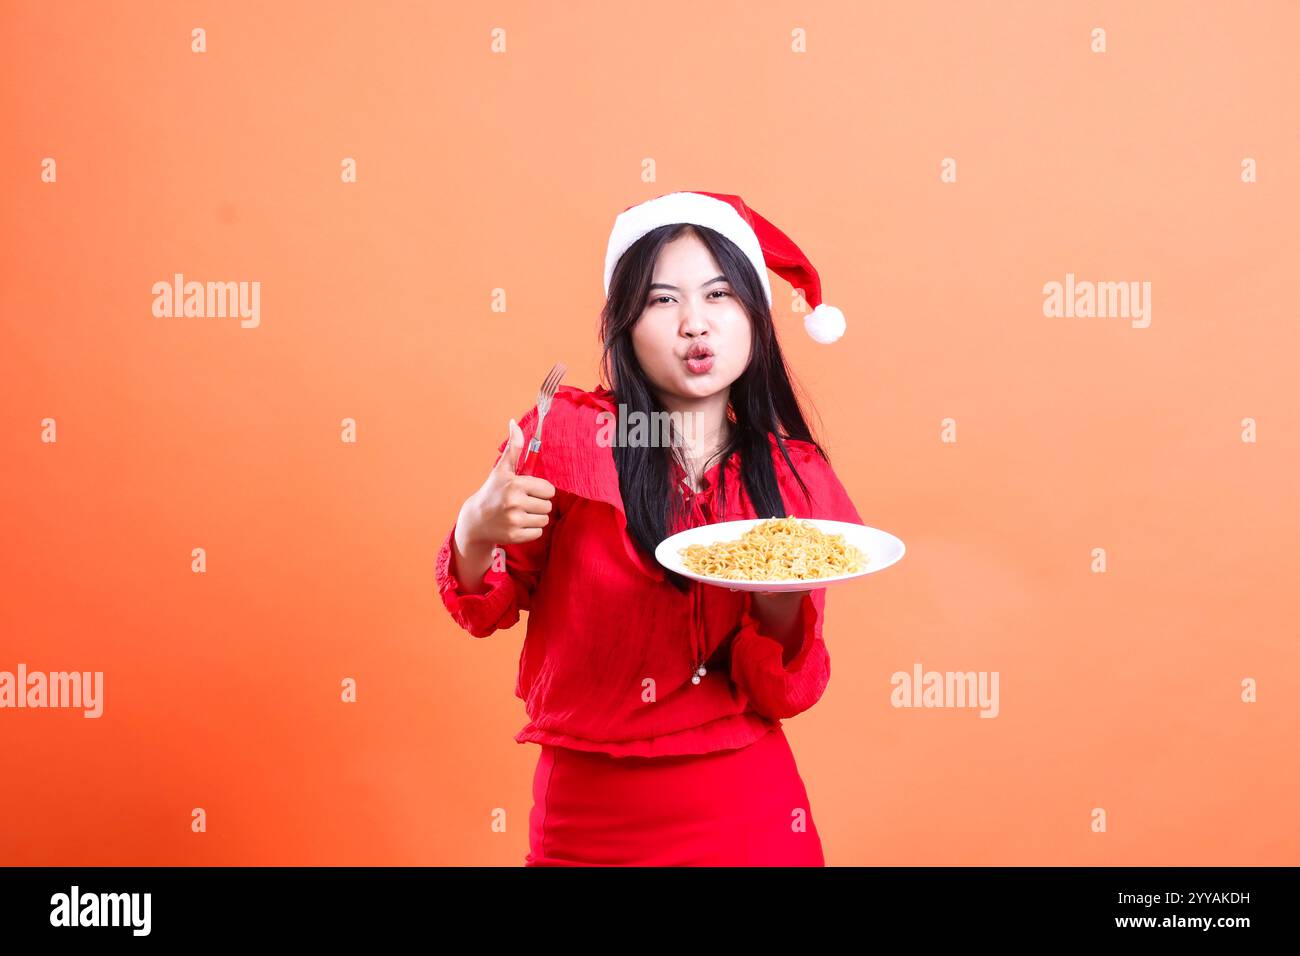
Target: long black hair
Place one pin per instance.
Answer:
(762, 399)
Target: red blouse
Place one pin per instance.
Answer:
(611, 645)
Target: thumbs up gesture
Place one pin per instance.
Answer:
(509, 508)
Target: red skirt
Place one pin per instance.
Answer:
(745, 807)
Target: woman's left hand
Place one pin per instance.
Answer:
(779, 597)
(791, 594)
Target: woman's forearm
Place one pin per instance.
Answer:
(778, 618)
(470, 562)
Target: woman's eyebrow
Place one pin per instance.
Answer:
(673, 288)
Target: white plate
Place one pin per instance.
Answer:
(881, 548)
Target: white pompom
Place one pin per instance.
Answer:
(825, 323)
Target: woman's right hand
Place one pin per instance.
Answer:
(509, 508)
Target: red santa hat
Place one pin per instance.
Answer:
(766, 246)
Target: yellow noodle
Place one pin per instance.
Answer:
(778, 549)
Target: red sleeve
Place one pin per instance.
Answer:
(509, 591)
(773, 689)
(783, 690)
(829, 498)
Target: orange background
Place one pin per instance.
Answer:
(480, 171)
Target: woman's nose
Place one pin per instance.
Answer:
(692, 324)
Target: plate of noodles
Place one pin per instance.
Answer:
(778, 554)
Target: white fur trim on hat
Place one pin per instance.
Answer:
(825, 323)
(695, 208)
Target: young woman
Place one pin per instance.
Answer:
(657, 701)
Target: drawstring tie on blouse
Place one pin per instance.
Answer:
(699, 502)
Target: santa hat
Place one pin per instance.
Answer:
(766, 246)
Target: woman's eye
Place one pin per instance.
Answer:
(657, 299)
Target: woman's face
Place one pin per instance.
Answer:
(685, 309)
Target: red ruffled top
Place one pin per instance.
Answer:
(611, 645)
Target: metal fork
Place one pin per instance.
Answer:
(532, 455)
